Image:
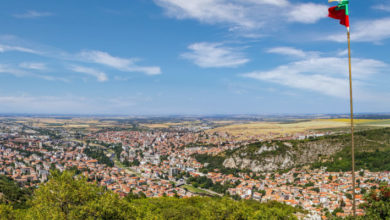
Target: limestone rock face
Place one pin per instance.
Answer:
(265, 148)
(266, 164)
(280, 156)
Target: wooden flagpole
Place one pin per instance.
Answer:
(352, 125)
(345, 4)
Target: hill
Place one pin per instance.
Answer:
(333, 152)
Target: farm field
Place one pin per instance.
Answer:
(169, 124)
(237, 129)
(160, 125)
(66, 123)
(276, 129)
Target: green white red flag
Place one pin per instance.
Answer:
(340, 12)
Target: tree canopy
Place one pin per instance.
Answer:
(67, 196)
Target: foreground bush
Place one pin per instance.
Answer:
(67, 197)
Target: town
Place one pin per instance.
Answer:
(155, 163)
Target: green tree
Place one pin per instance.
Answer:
(378, 203)
(12, 194)
(348, 195)
(107, 206)
(66, 196)
(6, 212)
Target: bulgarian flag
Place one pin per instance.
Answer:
(340, 12)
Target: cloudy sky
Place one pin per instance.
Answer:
(143, 57)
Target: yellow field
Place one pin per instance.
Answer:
(77, 123)
(241, 130)
(169, 124)
(366, 122)
(165, 125)
(223, 122)
(256, 128)
(357, 121)
(274, 129)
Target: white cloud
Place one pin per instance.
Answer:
(6, 69)
(290, 51)
(342, 53)
(279, 3)
(9, 43)
(214, 55)
(15, 71)
(33, 14)
(209, 11)
(326, 75)
(366, 31)
(100, 76)
(245, 15)
(308, 13)
(122, 64)
(323, 84)
(7, 48)
(33, 66)
(50, 78)
(383, 7)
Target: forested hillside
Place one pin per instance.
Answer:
(333, 152)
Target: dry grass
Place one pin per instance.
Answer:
(223, 122)
(242, 130)
(367, 122)
(166, 125)
(67, 123)
(276, 129)
(170, 124)
(265, 127)
(357, 121)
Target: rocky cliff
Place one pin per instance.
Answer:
(276, 155)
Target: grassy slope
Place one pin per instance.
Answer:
(372, 151)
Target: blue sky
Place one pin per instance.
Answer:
(158, 57)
